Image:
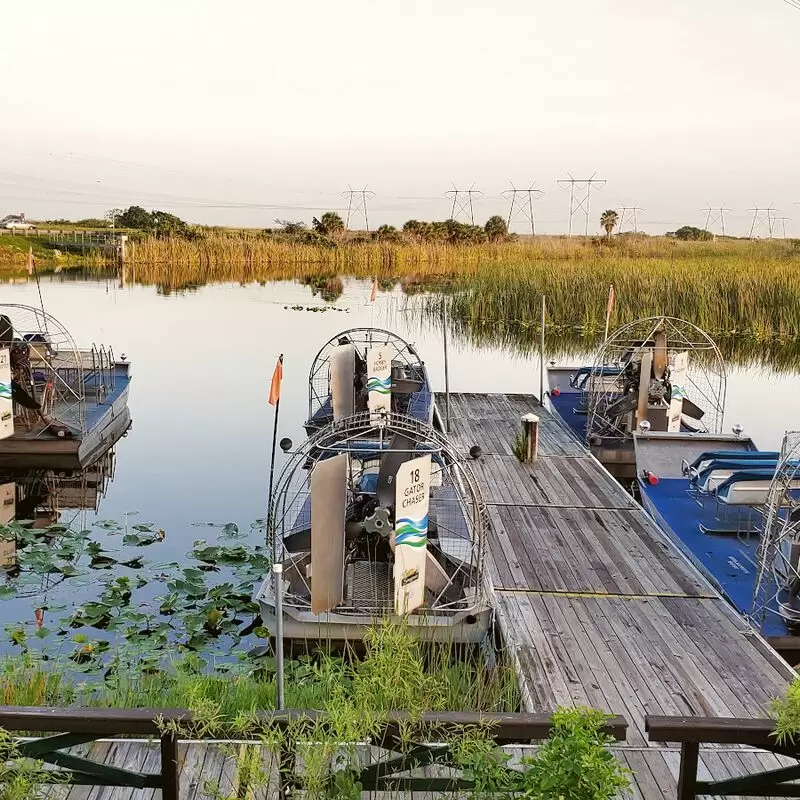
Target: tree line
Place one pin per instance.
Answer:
(329, 229)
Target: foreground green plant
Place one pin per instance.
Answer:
(575, 763)
(22, 778)
(786, 711)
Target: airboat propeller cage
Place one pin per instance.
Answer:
(58, 366)
(364, 369)
(379, 518)
(777, 583)
(665, 370)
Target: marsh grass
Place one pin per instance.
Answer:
(729, 287)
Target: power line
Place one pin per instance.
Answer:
(357, 204)
(628, 214)
(580, 196)
(522, 204)
(715, 217)
(462, 202)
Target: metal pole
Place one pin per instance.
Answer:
(541, 354)
(277, 579)
(446, 371)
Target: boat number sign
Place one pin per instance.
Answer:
(6, 407)
(678, 381)
(379, 381)
(412, 493)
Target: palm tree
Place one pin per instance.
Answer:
(331, 224)
(496, 229)
(608, 220)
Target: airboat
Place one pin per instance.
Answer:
(377, 516)
(342, 378)
(60, 406)
(661, 372)
(735, 511)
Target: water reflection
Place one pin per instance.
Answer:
(776, 351)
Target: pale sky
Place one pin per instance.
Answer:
(217, 111)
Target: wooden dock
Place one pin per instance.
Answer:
(597, 606)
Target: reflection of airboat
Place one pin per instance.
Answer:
(338, 378)
(67, 405)
(377, 516)
(662, 372)
(45, 497)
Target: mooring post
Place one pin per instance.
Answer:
(530, 432)
(446, 372)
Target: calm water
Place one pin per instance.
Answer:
(202, 361)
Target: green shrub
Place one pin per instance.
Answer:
(575, 763)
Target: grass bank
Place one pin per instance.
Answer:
(14, 256)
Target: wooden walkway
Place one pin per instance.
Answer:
(597, 606)
(211, 771)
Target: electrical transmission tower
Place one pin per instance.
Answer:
(763, 219)
(357, 205)
(462, 202)
(522, 205)
(715, 217)
(782, 221)
(580, 196)
(628, 214)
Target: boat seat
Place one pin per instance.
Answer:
(716, 471)
(746, 488)
(729, 455)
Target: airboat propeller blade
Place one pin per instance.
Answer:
(406, 385)
(328, 505)
(412, 499)
(343, 373)
(399, 452)
(660, 354)
(298, 542)
(692, 410)
(622, 406)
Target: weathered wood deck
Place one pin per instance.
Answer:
(210, 770)
(597, 606)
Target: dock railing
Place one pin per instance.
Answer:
(71, 727)
(691, 732)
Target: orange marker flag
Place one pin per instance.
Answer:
(374, 294)
(275, 386)
(610, 306)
